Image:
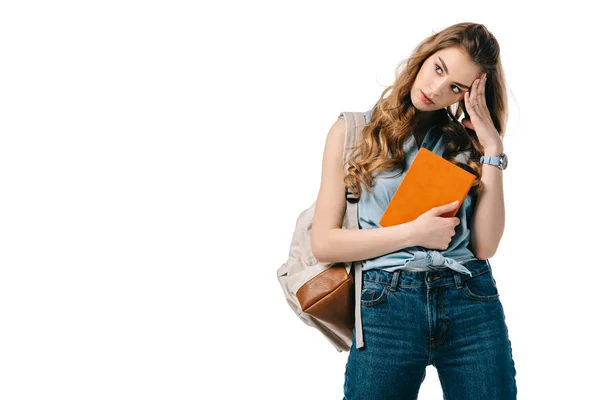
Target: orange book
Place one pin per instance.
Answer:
(430, 181)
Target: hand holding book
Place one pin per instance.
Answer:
(423, 197)
(432, 231)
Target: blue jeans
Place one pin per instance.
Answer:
(412, 319)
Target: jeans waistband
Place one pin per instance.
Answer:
(431, 278)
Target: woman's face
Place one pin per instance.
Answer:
(443, 78)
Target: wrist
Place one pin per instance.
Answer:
(409, 233)
(493, 151)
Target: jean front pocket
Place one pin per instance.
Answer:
(373, 292)
(481, 287)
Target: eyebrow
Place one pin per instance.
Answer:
(446, 69)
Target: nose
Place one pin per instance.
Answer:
(436, 88)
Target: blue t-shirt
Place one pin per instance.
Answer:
(385, 184)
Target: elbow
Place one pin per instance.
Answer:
(484, 254)
(317, 250)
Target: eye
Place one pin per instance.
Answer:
(453, 86)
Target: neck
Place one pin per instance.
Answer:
(424, 120)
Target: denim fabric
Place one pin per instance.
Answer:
(412, 319)
(372, 206)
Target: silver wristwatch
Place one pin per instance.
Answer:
(500, 162)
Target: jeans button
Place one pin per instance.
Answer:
(429, 278)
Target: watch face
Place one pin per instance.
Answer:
(504, 161)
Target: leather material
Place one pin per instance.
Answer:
(329, 297)
(321, 285)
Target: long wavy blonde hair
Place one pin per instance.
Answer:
(394, 115)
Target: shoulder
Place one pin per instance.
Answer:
(336, 136)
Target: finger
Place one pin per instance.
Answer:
(473, 92)
(477, 92)
(470, 104)
(481, 86)
(484, 84)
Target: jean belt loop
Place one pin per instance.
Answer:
(457, 279)
(395, 280)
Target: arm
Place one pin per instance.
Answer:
(489, 217)
(342, 245)
(332, 243)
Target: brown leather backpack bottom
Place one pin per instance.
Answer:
(329, 297)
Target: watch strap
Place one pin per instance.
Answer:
(490, 160)
(500, 161)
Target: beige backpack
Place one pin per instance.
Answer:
(326, 296)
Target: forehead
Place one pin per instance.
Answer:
(460, 66)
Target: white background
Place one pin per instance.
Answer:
(155, 155)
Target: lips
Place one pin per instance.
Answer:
(426, 99)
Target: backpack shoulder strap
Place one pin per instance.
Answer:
(355, 123)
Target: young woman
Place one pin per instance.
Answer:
(428, 295)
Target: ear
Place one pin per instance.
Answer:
(467, 122)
